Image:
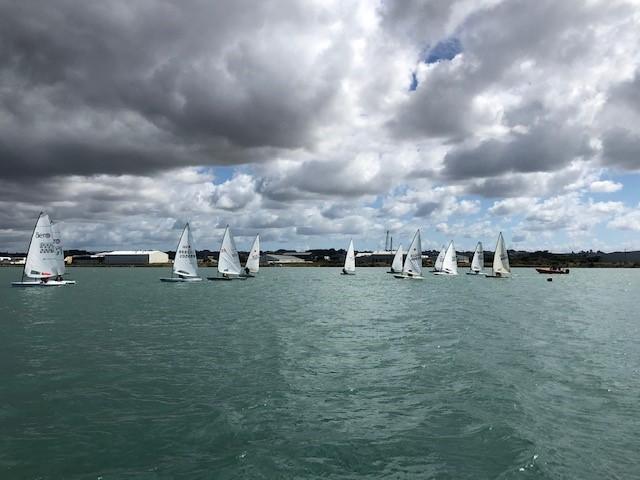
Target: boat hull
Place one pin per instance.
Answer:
(181, 280)
(445, 274)
(476, 273)
(550, 271)
(50, 283)
(497, 276)
(247, 275)
(410, 277)
(347, 273)
(225, 279)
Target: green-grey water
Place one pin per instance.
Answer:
(303, 373)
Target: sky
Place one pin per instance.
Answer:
(312, 122)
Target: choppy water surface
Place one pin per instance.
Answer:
(303, 373)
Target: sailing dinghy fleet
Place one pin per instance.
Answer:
(44, 265)
(446, 263)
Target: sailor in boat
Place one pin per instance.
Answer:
(247, 271)
(344, 270)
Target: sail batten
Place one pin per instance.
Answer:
(413, 261)
(229, 261)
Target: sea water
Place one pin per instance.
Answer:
(305, 373)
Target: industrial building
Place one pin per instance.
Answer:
(123, 257)
(274, 259)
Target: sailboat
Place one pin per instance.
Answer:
(413, 262)
(252, 265)
(396, 265)
(228, 260)
(477, 264)
(437, 266)
(45, 257)
(350, 261)
(450, 262)
(185, 263)
(501, 268)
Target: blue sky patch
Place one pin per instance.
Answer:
(445, 49)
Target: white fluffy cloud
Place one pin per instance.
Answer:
(605, 186)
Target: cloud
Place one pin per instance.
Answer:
(627, 221)
(621, 149)
(605, 186)
(511, 206)
(137, 87)
(544, 148)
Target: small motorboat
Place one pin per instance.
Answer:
(553, 271)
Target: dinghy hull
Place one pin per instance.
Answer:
(50, 283)
(223, 279)
(181, 280)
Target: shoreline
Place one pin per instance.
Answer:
(312, 265)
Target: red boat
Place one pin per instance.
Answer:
(553, 270)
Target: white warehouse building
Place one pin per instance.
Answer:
(133, 257)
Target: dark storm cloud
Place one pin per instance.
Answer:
(621, 115)
(621, 149)
(114, 87)
(544, 148)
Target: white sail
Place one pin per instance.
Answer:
(185, 263)
(396, 265)
(477, 264)
(450, 263)
(228, 261)
(41, 257)
(437, 266)
(501, 258)
(413, 261)
(59, 266)
(253, 260)
(350, 260)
